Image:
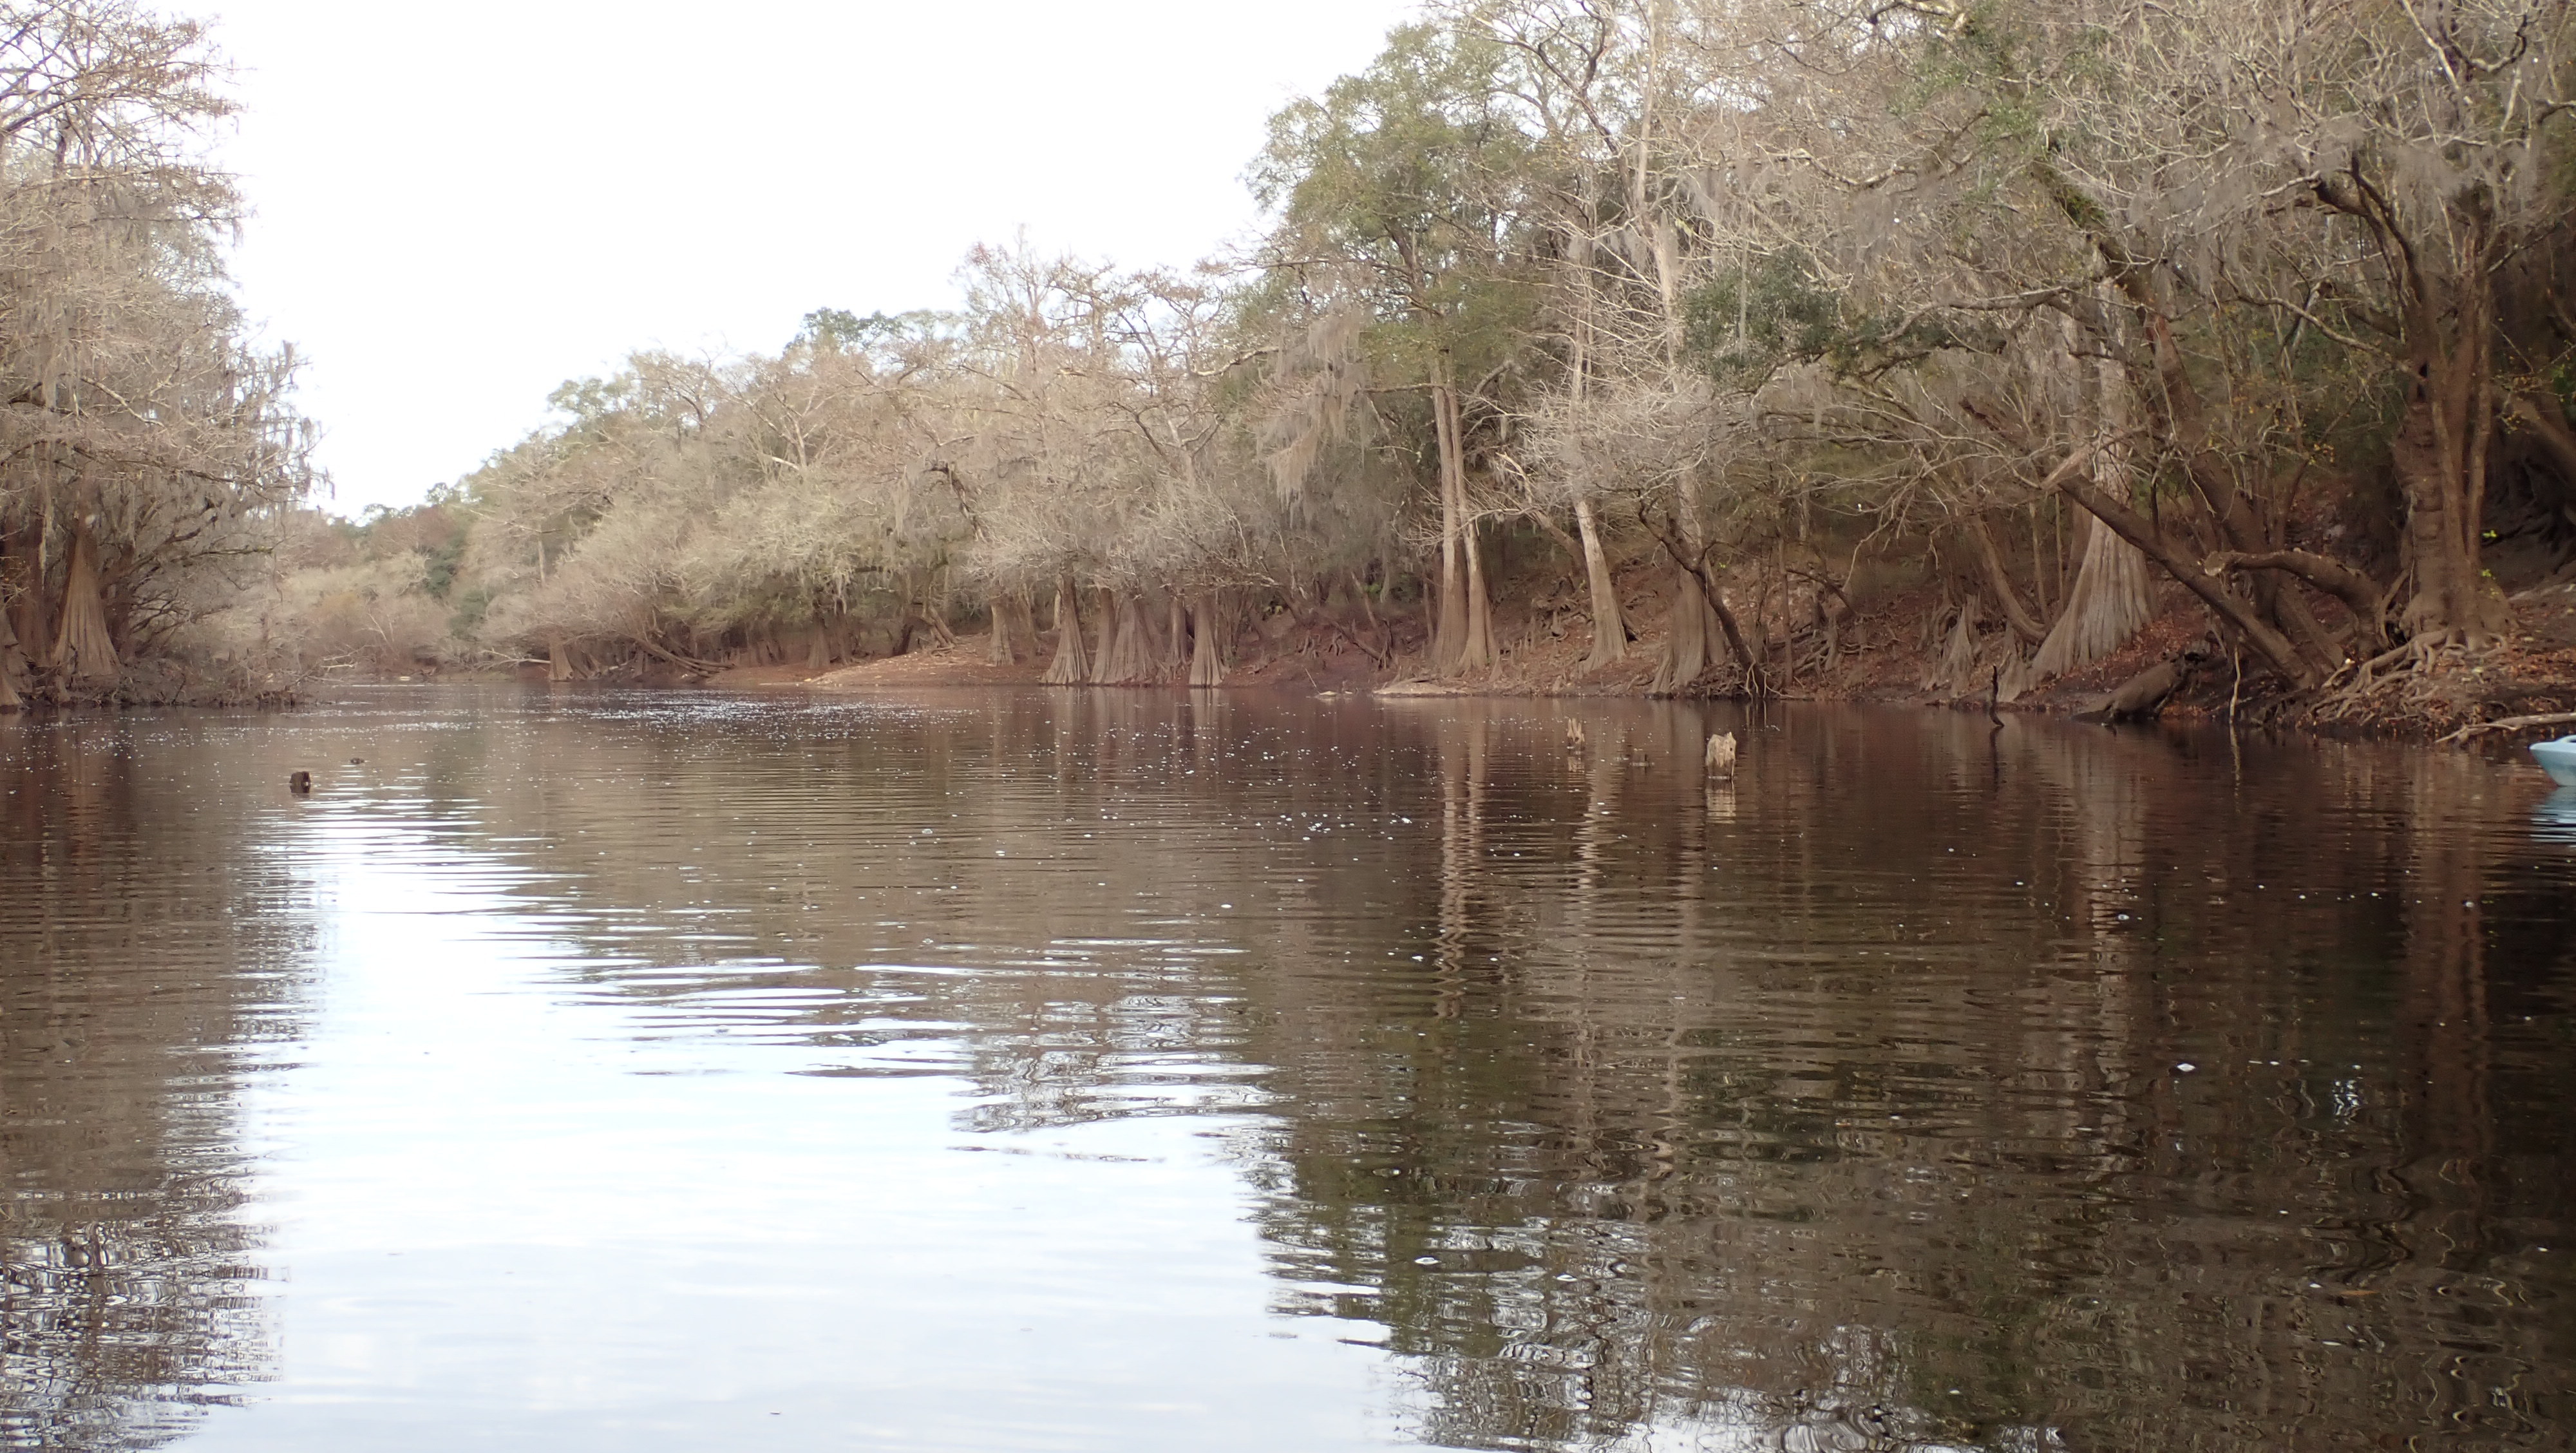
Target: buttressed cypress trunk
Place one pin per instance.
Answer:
(1071, 665)
(22, 574)
(83, 649)
(13, 666)
(1609, 624)
(1172, 663)
(824, 645)
(997, 645)
(1466, 625)
(1477, 652)
(13, 658)
(1129, 658)
(1013, 622)
(1207, 661)
(2113, 596)
(1107, 645)
(2112, 599)
(1024, 622)
(1956, 672)
(1688, 636)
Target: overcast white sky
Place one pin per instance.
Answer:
(459, 206)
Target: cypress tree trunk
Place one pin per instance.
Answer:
(2113, 596)
(997, 646)
(22, 570)
(1147, 666)
(1609, 625)
(1173, 663)
(13, 658)
(13, 667)
(1476, 652)
(83, 650)
(1012, 621)
(2439, 454)
(1071, 665)
(1463, 638)
(1207, 662)
(1449, 623)
(2112, 599)
(558, 661)
(1687, 636)
(1956, 671)
(1128, 657)
(1109, 624)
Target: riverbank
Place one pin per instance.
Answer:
(2175, 667)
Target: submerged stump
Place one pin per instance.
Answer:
(1720, 757)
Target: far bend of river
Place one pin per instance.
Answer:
(1118, 1070)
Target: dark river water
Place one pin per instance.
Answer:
(1131, 1071)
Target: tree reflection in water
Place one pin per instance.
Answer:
(143, 953)
(2119, 1100)
(1931, 1084)
(1847, 1098)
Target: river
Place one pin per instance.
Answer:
(1115, 1070)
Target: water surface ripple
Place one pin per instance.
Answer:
(1139, 1070)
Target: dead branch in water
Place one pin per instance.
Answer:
(2510, 724)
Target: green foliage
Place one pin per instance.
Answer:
(444, 561)
(1407, 185)
(1742, 324)
(838, 330)
(471, 607)
(589, 400)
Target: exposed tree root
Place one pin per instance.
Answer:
(2412, 670)
(2431, 684)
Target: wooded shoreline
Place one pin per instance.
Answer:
(2172, 667)
(2015, 353)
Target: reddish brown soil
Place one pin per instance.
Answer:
(962, 664)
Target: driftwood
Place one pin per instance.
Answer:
(2511, 724)
(685, 663)
(2141, 695)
